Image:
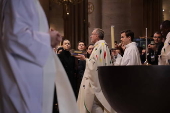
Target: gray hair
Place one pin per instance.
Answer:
(99, 32)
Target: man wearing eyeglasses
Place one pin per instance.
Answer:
(155, 48)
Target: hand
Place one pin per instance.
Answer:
(81, 57)
(153, 47)
(149, 46)
(56, 38)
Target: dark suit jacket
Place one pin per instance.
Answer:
(153, 55)
(68, 62)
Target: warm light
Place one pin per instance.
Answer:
(66, 3)
(163, 10)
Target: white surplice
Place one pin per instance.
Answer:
(131, 55)
(165, 52)
(117, 60)
(29, 69)
(90, 87)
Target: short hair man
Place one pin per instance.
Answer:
(165, 52)
(81, 46)
(154, 48)
(131, 55)
(66, 45)
(157, 37)
(91, 98)
(68, 62)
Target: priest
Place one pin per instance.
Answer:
(91, 98)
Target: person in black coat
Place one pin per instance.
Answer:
(155, 48)
(68, 62)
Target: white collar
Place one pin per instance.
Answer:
(100, 41)
(130, 44)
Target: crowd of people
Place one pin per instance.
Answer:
(155, 54)
(32, 75)
(82, 71)
(124, 53)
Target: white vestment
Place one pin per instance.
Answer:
(165, 52)
(131, 55)
(90, 86)
(117, 60)
(28, 67)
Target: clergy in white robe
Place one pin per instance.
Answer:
(28, 67)
(116, 57)
(117, 60)
(164, 58)
(91, 98)
(131, 54)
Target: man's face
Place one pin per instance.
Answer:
(164, 31)
(81, 46)
(118, 51)
(66, 45)
(157, 38)
(90, 49)
(125, 40)
(114, 52)
(94, 37)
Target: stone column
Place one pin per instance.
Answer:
(122, 14)
(54, 13)
(118, 14)
(45, 5)
(56, 17)
(95, 18)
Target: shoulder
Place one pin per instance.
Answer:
(131, 49)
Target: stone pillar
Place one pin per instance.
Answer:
(137, 18)
(95, 17)
(118, 14)
(122, 14)
(54, 14)
(45, 6)
(56, 20)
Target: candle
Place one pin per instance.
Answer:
(146, 44)
(146, 32)
(112, 37)
(146, 37)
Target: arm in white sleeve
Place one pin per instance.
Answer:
(21, 32)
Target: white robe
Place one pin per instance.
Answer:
(90, 86)
(117, 61)
(26, 78)
(131, 55)
(165, 52)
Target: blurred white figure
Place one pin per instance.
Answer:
(29, 68)
(165, 53)
(117, 58)
(131, 55)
